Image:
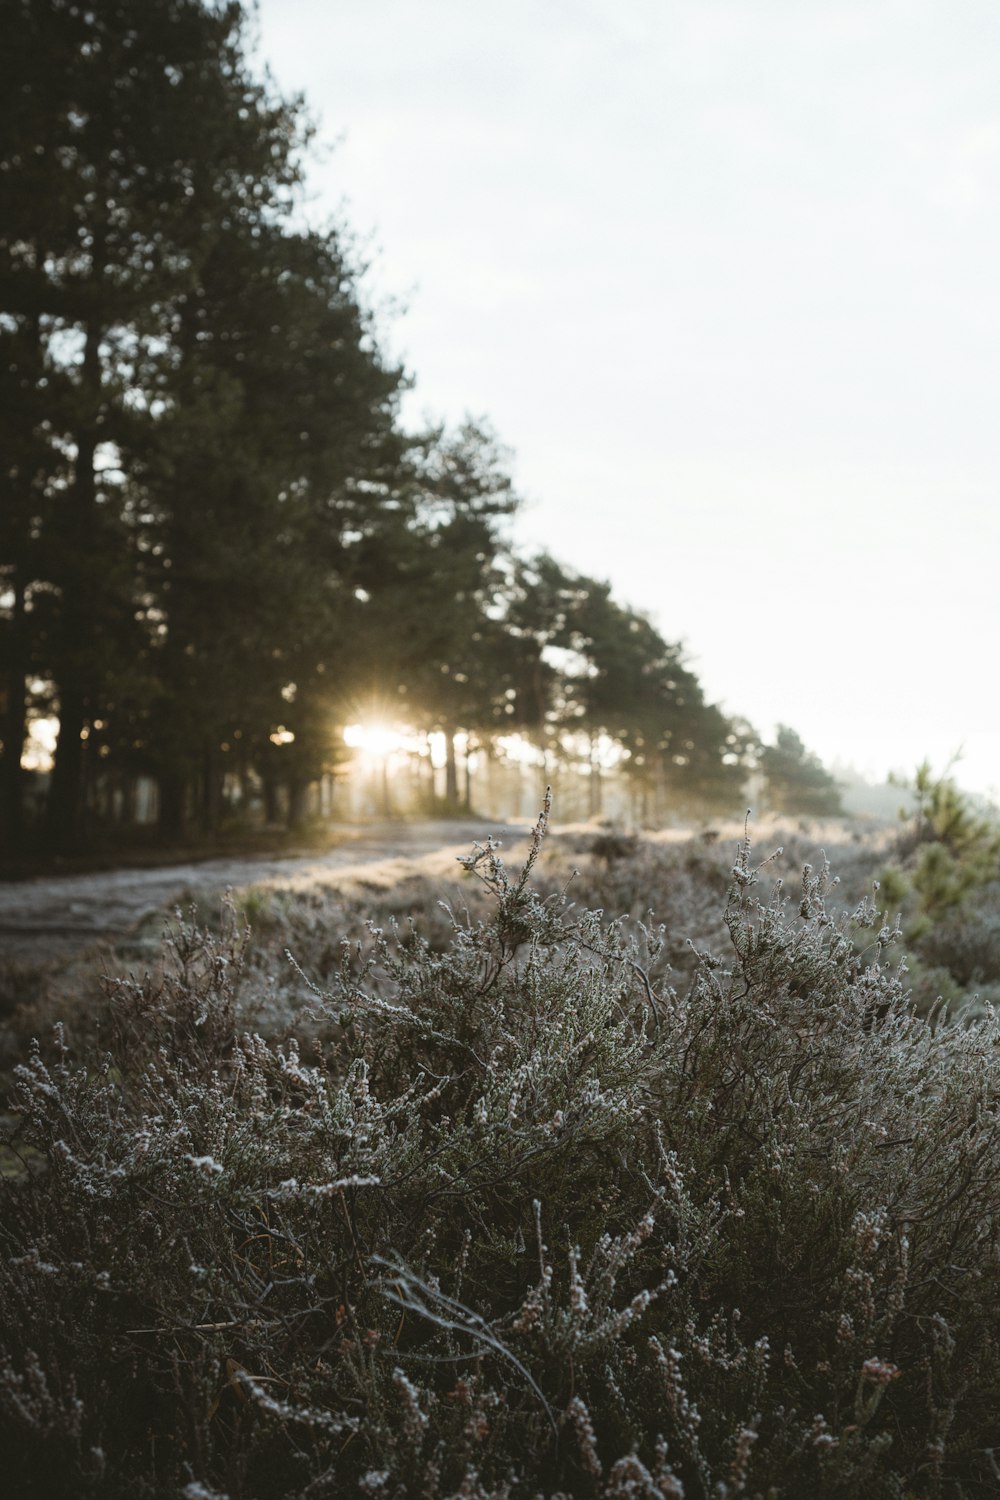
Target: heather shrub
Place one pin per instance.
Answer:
(519, 1219)
(682, 883)
(20, 982)
(967, 941)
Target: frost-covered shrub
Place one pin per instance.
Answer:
(681, 884)
(522, 1220)
(967, 941)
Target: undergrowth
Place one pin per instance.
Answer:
(524, 1211)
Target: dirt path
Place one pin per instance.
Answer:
(53, 916)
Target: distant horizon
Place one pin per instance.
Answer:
(725, 284)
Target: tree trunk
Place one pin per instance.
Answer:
(270, 789)
(17, 503)
(660, 794)
(211, 790)
(16, 724)
(172, 799)
(467, 795)
(596, 790)
(65, 804)
(450, 770)
(297, 790)
(64, 813)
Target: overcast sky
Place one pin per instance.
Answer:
(726, 277)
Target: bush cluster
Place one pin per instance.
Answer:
(524, 1216)
(944, 877)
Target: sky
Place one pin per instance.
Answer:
(726, 278)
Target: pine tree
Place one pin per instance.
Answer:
(797, 780)
(281, 421)
(433, 576)
(131, 135)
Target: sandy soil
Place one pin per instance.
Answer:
(55, 916)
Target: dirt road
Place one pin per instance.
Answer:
(53, 916)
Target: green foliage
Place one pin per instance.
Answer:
(797, 781)
(132, 139)
(213, 527)
(948, 851)
(520, 1219)
(944, 814)
(433, 639)
(636, 688)
(581, 665)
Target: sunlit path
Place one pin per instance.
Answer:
(54, 915)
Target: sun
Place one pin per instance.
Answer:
(374, 741)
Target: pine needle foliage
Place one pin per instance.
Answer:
(523, 1220)
(944, 878)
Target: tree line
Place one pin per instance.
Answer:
(218, 542)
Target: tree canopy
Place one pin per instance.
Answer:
(796, 779)
(218, 543)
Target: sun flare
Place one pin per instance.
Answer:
(374, 741)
